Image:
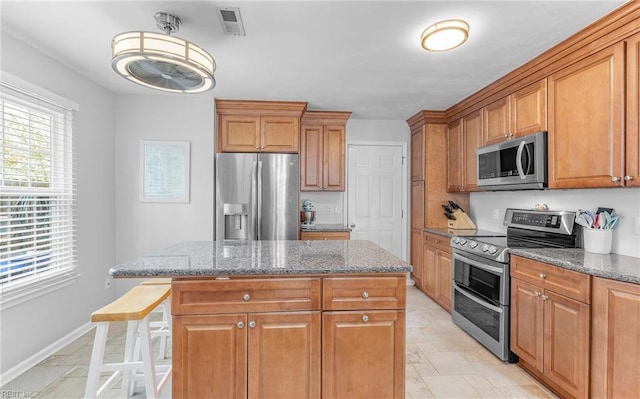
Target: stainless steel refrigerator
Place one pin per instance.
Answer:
(257, 196)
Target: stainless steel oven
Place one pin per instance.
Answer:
(481, 278)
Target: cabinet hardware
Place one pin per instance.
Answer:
(365, 295)
(365, 318)
(542, 275)
(246, 297)
(615, 178)
(353, 225)
(240, 324)
(544, 297)
(536, 293)
(252, 324)
(628, 178)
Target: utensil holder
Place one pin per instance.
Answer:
(462, 222)
(597, 241)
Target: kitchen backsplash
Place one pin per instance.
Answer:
(329, 206)
(625, 202)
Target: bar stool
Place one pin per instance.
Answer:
(161, 328)
(133, 307)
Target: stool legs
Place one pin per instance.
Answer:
(97, 354)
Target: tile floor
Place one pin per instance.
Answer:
(442, 362)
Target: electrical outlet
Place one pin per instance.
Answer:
(496, 213)
(107, 283)
(337, 210)
(329, 210)
(636, 230)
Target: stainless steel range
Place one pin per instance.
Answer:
(481, 283)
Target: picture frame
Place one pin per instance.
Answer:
(164, 171)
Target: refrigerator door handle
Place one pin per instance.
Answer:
(254, 201)
(259, 199)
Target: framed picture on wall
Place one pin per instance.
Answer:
(164, 171)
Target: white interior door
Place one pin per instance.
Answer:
(375, 200)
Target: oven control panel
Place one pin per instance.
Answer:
(536, 219)
(549, 221)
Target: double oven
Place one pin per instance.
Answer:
(481, 275)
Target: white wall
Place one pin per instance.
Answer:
(34, 325)
(625, 201)
(143, 227)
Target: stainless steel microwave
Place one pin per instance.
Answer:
(518, 164)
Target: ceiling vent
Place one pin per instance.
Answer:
(231, 21)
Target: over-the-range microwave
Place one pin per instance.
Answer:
(518, 164)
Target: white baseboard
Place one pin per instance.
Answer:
(36, 358)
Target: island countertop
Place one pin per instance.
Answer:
(228, 258)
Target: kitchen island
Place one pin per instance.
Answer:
(283, 319)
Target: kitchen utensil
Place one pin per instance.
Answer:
(614, 222)
(455, 206)
(447, 209)
(449, 216)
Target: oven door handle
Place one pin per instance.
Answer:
(475, 299)
(490, 269)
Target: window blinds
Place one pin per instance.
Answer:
(36, 188)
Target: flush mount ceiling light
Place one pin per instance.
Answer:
(161, 61)
(445, 35)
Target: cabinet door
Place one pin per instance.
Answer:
(529, 109)
(333, 158)
(417, 205)
(284, 355)
(445, 285)
(586, 122)
(527, 323)
(211, 356)
(416, 257)
(311, 141)
(430, 271)
(632, 175)
(472, 139)
(615, 327)
(363, 354)
(497, 123)
(566, 348)
(239, 133)
(454, 157)
(417, 155)
(279, 134)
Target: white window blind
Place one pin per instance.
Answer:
(36, 189)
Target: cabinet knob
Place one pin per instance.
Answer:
(240, 324)
(536, 293)
(628, 178)
(542, 275)
(544, 297)
(365, 295)
(365, 318)
(615, 178)
(325, 238)
(506, 135)
(252, 324)
(246, 297)
(262, 147)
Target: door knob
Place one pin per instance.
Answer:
(353, 225)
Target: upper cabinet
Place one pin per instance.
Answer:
(497, 121)
(417, 155)
(632, 175)
(454, 156)
(259, 126)
(322, 151)
(464, 137)
(586, 122)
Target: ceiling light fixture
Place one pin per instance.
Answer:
(445, 35)
(163, 62)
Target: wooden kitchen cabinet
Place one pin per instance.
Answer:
(586, 122)
(325, 235)
(455, 156)
(322, 151)
(417, 155)
(417, 226)
(437, 269)
(615, 328)
(632, 174)
(259, 126)
(464, 137)
(497, 121)
(550, 324)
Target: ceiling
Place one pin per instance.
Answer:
(362, 56)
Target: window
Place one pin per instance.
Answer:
(36, 192)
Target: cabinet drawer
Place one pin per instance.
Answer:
(439, 242)
(561, 281)
(244, 295)
(354, 293)
(324, 235)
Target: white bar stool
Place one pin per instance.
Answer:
(161, 328)
(133, 307)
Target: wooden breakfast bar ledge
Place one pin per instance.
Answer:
(283, 319)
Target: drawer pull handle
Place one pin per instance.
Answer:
(365, 295)
(536, 293)
(365, 318)
(246, 297)
(544, 297)
(252, 324)
(615, 178)
(628, 178)
(240, 324)
(542, 275)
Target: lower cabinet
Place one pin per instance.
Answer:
(437, 269)
(549, 331)
(615, 355)
(298, 337)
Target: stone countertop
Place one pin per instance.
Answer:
(611, 266)
(325, 227)
(225, 258)
(446, 232)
